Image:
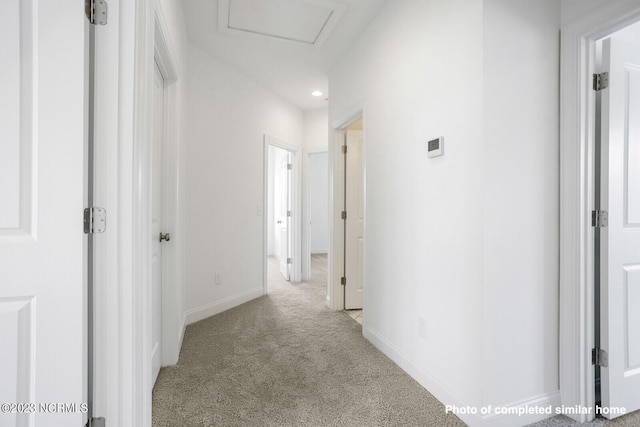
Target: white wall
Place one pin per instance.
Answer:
(424, 233)
(319, 202)
(521, 203)
(228, 116)
(469, 241)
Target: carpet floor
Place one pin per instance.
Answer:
(286, 360)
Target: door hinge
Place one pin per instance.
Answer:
(343, 215)
(343, 280)
(96, 422)
(289, 213)
(600, 81)
(95, 220)
(599, 357)
(289, 166)
(96, 11)
(599, 219)
(289, 260)
(344, 149)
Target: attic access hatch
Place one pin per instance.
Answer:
(306, 22)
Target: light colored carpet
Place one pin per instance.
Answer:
(286, 360)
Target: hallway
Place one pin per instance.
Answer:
(285, 359)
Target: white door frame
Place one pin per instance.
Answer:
(577, 197)
(335, 295)
(124, 70)
(296, 202)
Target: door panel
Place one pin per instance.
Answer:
(620, 240)
(285, 219)
(354, 241)
(42, 324)
(156, 223)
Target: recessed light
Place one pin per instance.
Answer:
(316, 93)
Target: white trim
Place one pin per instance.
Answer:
(208, 310)
(337, 10)
(296, 217)
(576, 196)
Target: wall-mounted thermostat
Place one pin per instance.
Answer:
(435, 147)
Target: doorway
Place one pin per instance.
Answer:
(617, 223)
(347, 288)
(318, 226)
(580, 352)
(282, 202)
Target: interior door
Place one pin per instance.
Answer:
(42, 185)
(285, 216)
(354, 236)
(620, 240)
(156, 222)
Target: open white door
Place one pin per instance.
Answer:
(284, 220)
(354, 236)
(620, 240)
(42, 295)
(157, 237)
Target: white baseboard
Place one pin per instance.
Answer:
(447, 397)
(545, 402)
(211, 309)
(439, 390)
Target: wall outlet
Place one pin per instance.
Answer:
(218, 278)
(422, 327)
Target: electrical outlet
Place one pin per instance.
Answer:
(218, 278)
(422, 327)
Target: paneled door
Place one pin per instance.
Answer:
(42, 185)
(284, 220)
(157, 236)
(354, 236)
(620, 239)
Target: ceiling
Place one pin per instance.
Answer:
(288, 46)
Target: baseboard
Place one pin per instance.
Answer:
(548, 402)
(435, 387)
(211, 309)
(545, 403)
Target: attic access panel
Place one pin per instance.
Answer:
(307, 22)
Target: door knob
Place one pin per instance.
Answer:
(279, 221)
(165, 237)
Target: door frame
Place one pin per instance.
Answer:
(335, 293)
(125, 50)
(295, 275)
(577, 157)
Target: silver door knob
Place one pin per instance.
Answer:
(165, 237)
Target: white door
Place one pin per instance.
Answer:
(42, 274)
(620, 240)
(354, 236)
(284, 220)
(156, 222)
